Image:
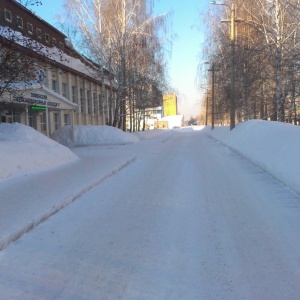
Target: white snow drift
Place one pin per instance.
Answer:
(24, 150)
(87, 135)
(273, 146)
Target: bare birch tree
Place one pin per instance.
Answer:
(110, 30)
(266, 56)
(277, 21)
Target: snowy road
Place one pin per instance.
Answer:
(189, 219)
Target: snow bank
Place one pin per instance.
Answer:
(24, 150)
(273, 146)
(88, 135)
(148, 134)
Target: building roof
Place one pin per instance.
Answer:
(36, 16)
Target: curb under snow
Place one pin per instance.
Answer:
(4, 242)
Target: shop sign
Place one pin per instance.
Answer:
(37, 99)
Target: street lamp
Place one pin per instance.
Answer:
(232, 44)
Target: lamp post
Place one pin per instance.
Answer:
(232, 44)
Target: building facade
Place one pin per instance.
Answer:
(170, 105)
(66, 88)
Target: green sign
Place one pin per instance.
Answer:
(38, 108)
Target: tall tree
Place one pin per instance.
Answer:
(113, 30)
(266, 55)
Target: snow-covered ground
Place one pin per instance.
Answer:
(187, 219)
(23, 150)
(272, 146)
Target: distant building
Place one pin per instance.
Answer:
(170, 105)
(173, 121)
(67, 89)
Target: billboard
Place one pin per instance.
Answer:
(170, 105)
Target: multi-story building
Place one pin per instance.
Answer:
(67, 88)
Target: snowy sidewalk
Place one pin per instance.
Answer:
(29, 200)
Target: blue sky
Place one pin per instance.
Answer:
(185, 51)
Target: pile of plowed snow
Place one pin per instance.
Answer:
(24, 150)
(89, 135)
(273, 146)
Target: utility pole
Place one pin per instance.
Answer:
(232, 45)
(213, 97)
(206, 113)
(232, 21)
(213, 70)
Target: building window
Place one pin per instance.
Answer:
(95, 103)
(81, 100)
(54, 42)
(73, 94)
(54, 86)
(7, 15)
(64, 90)
(61, 45)
(43, 122)
(47, 38)
(66, 119)
(55, 115)
(100, 104)
(19, 22)
(30, 28)
(88, 101)
(39, 33)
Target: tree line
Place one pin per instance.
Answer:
(263, 64)
(124, 37)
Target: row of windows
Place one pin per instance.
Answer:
(82, 99)
(30, 30)
(43, 121)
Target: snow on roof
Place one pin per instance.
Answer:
(53, 53)
(29, 85)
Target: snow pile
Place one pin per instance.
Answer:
(148, 134)
(88, 135)
(24, 150)
(273, 146)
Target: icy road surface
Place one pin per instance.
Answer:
(189, 219)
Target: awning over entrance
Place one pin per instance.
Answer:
(44, 97)
(34, 93)
(37, 106)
